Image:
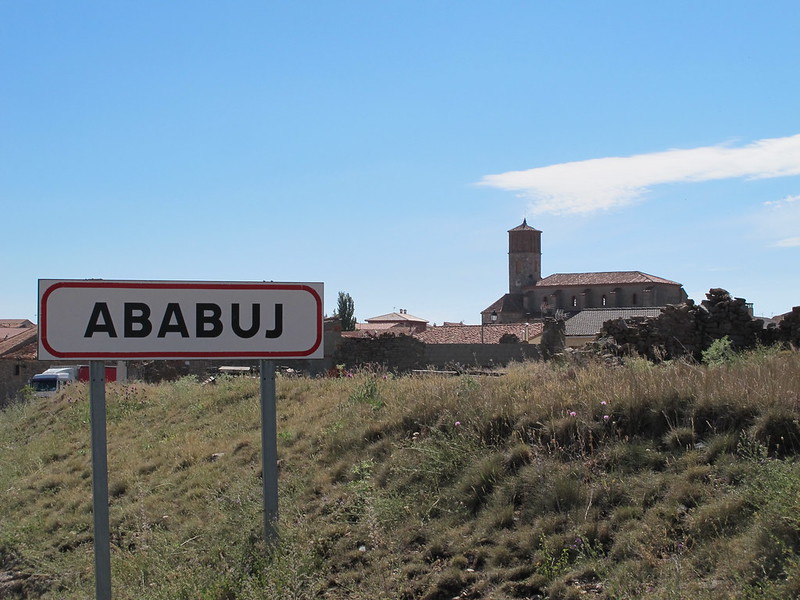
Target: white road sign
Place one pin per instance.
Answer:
(101, 320)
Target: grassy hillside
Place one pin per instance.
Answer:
(552, 481)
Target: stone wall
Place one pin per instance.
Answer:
(688, 329)
(478, 355)
(404, 353)
(788, 330)
(676, 332)
(399, 354)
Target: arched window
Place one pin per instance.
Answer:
(603, 300)
(574, 301)
(634, 299)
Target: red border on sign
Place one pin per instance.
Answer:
(177, 286)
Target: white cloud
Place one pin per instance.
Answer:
(604, 183)
(788, 201)
(779, 222)
(792, 242)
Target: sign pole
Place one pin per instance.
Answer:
(269, 450)
(102, 543)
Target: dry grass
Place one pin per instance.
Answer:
(552, 481)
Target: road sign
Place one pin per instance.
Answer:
(106, 320)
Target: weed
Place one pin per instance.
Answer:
(367, 393)
(552, 561)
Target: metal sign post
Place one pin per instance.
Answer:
(269, 450)
(102, 539)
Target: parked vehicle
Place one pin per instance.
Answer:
(55, 379)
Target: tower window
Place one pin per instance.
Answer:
(574, 301)
(603, 300)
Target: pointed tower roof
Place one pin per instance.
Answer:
(524, 227)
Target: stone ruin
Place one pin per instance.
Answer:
(686, 330)
(554, 339)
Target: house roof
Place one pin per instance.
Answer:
(602, 278)
(588, 322)
(363, 330)
(13, 327)
(396, 318)
(471, 334)
(377, 326)
(20, 323)
(21, 345)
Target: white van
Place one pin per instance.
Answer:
(53, 380)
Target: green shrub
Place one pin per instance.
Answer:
(720, 352)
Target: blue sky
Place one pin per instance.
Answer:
(385, 148)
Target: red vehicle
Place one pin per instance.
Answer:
(83, 373)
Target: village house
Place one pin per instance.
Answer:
(396, 323)
(18, 363)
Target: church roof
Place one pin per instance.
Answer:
(603, 278)
(509, 303)
(589, 321)
(524, 227)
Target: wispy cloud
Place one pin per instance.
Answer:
(783, 202)
(605, 183)
(781, 220)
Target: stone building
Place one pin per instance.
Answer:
(531, 296)
(18, 363)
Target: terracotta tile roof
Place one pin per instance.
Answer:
(12, 327)
(396, 318)
(375, 326)
(471, 334)
(376, 329)
(588, 322)
(603, 278)
(23, 323)
(25, 342)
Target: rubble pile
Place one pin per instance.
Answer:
(726, 316)
(553, 338)
(789, 327)
(686, 330)
(675, 332)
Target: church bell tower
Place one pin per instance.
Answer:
(524, 257)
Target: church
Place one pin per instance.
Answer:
(532, 297)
